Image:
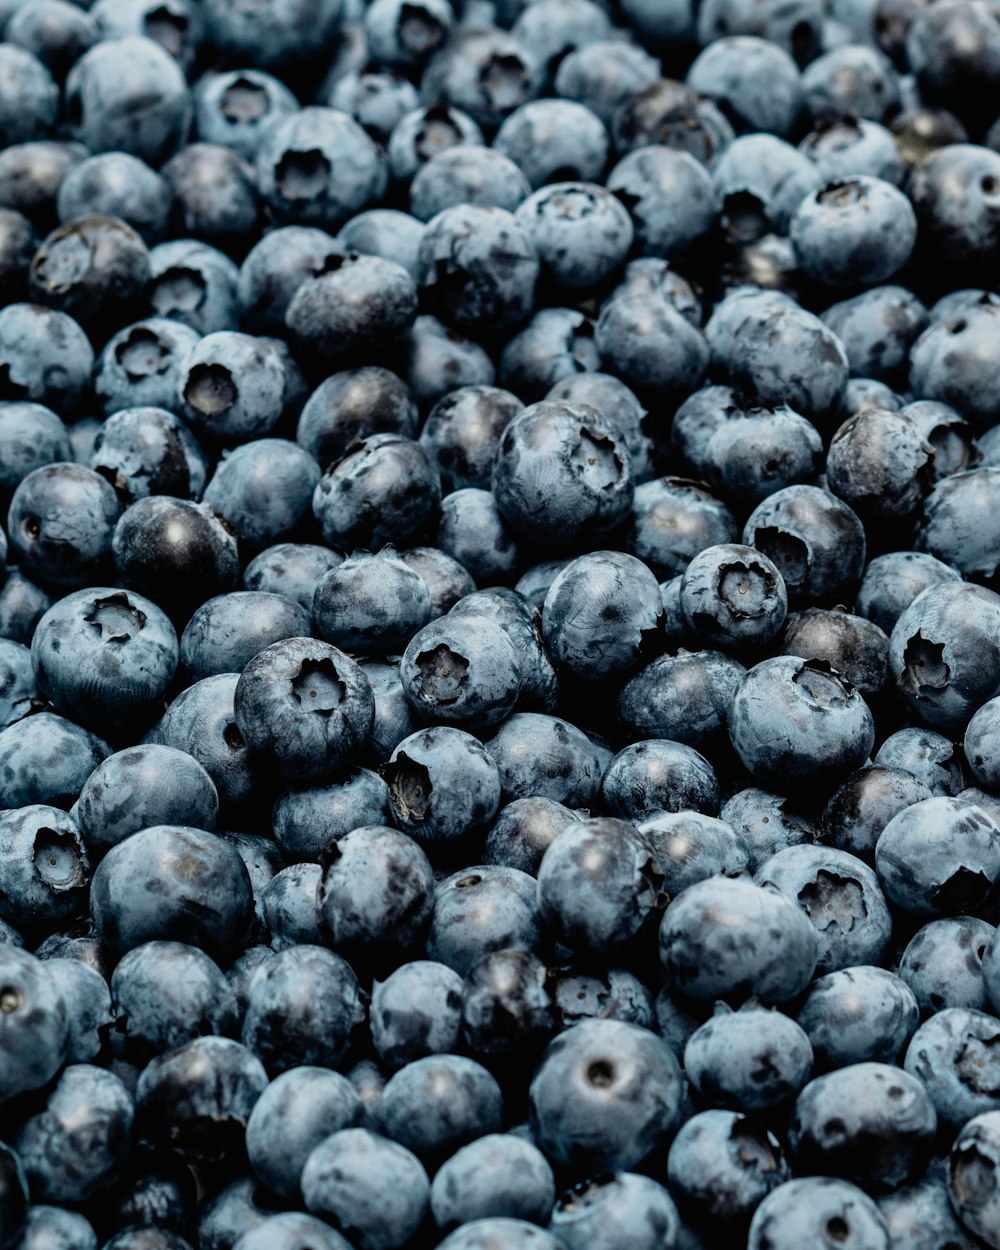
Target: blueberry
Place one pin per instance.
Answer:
(481, 910)
(801, 1211)
(868, 1122)
(407, 35)
(861, 807)
(500, 1231)
(891, 582)
(416, 1011)
(462, 670)
(688, 847)
(291, 570)
(422, 133)
(651, 345)
(369, 1184)
(673, 519)
(657, 775)
(60, 523)
(858, 1015)
(545, 757)
(148, 451)
(34, 1025)
(434, 357)
(605, 1095)
(193, 283)
(237, 1208)
(921, 1216)
(79, 1143)
(291, 1230)
(182, 883)
(288, 901)
(612, 1210)
(928, 756)
(603, 74)
(749, 1060)
(44, 868)
(46, 759)
(669, 196)
(56, 1226)
(234, 107)
(140, 365)
(946, 964)
(670, 113)
(19, 696)
(85, 987)
(498, 1175)
(759, 183)
(376, 894)
(523, 831)
(957, 526)
(952, 1054)
(774, 961)
(972, 1170)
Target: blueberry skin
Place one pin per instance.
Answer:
(420, 134)
(31, 436)
(760, 180)
(870, 1122)
(610, 396)
(972, 1169)
(605, 1095)
(957, 524)
(673, 519)
(657, 775)
(44, 868)
(384, 490)
(393, 721)
(306, 821)
(34, 1024)
(301, 1008)
(166, 994)
(858, 1014)
(947, 964)
(304, 705)
(733, 596)
(555, 140)
(416, 1011)
(546, 757)
(347, 313)
(288, 901)
(172, 883)
(375, 895)
(107, 85)
(799, 1212)
(523, 832)
(201, 722)
(861, 807)
(749, 459)
(442, 784)
(385, 232)
(369, 1184)
(603, 74)
(291, 570)
(500, 1233)
(291, 1230)
(371, 604)
(861, 230)
(601, 613)
(949, 434)
(926, 755)
(651, 346)
(877, 329)
(148, 451)
(467, 174)
(953, 1054)
(234, 107)
(948, 363)
(498, 1175)
(556, 343)
(318, 167)
(80, 1142)
(685, 697)
(464, 72)
(275, 267)
(616, 994)
(264, 490)
(226, 632)
(841, 896)
(688, 847)
(86, 988)
(233, 1211)
(621, 1209)
(434, 358)
(56, 1228)
(856, 648)
(197, 1099)
(942, 653)
(458, 1101)
(105, 657)
(597, 886)
(60, 524)
(669, 196)
(580, 231)
(46, 759)
(407, 36)
(481, 910)
(140, 365)
(29, 102)
(230, 387)
(749, 1060)
(922, 1217)
(778, 949)
(214, 198)
(891, 583)
(768, 822)
(756, 81)
(462, 432)
(19, 696)
(721, 1166)
(522, 623)
(562, 475)
(352, 404)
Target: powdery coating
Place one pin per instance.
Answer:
(482, 910)
(800, 1211)
(858, 1014)
(609, 1211)
(545, 757)
(35, 1034)
(722, 1165)
(973, 1166)
(955, 1055)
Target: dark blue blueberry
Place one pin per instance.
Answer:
(498, 1175)
(473, 533)
(856, 648)
(612, 1210)
(117, 184)
(507, 1006)
(264, 490)
(481, 910)
(352, 404)
(877, 330)
(669, 196)
(385, 232)
(317, 166)
(44, 868)
(673, 519)
(795, 27)
(760, 180)
(140, 365)
(467, 174)
(749, 1060)
(298, 1110)
(416, 1011)
(290, 569)
(955, 1055)
(871, 1123)
(375, 895)
(301, 1008)
(422, 133)
(29, 100)
(79, 1143)
(34, 1025)
(597, 885)
(197, 1099)
(980, 745)
(486, 73)
(407, 34)
(687, 847)
(947, 964)
(604, 73)
(949, 434)
(214, 197)
(973, 1167)
(194, 283)
(306, 821)
(556, 343)
(523, 831)
(375, 96)
(46, 759)
(800, 1212)
(733, 596)
(926, 755)
(617, 403)
(359, 1180)
(861, 807)
(19, 696)
(555, 140)
(275, 268)
(581, 232)
(657, 775)
(61, 522)
(371, 604)
(773, 957)
(129, 95)
(86, 990)
(434, 358)
(57, 1228)
(851, 80)
(651, 345)
(166, 994)
(750, 457)
(614, 994)
(605, 1095)
(768, 822)
(463, 430)
(148, 451)
(958, 526)
(31, 436)
(288, 902)
(542, 756)
(393, 720)
(721, 1166)
(234, 107)
(237, 1208)
(172, 883)
(756, 82)
(858, 1014)
(291, 1230)
(921, 1217)
(684, 697)
(226, 632)
(462, 669)
(231, 386)
(891, 583)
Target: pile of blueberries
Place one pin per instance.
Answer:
(500, 624)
